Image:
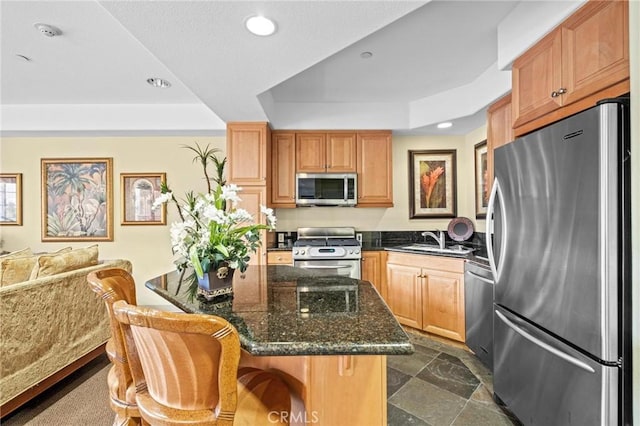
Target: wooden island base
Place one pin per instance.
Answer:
(336, 390)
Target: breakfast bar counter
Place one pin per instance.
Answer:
(328, 336)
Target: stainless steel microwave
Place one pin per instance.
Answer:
(326, 189)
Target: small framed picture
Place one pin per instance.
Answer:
(482, 177)
(432, 184)
(139, 191)
(10, 198)
(77, 199)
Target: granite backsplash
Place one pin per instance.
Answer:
(382, 239)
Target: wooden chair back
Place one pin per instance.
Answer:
(112, 285)
(185, 366)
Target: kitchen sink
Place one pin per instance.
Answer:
(453, 249)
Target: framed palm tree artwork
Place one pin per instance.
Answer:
(432, 184)
(77, 199)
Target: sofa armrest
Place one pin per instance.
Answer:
(47, 323)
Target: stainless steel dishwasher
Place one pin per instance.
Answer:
(478, 299)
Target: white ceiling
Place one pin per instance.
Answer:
(432, 61)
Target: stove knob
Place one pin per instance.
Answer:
(357, 251)
(302, 252)
(295, 252)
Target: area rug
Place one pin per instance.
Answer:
(80, 399)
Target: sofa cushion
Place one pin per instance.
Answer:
(57, 263)
(18, 253)
(16, 269)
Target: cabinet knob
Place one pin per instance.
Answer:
(561, 91)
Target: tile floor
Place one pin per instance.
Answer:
(441, 384)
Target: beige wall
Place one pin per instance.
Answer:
(397, 218)
(148, 247)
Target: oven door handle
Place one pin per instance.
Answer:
(325, 266)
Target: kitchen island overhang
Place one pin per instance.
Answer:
(328, 336)
(281, 310)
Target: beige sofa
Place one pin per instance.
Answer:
(49, 327)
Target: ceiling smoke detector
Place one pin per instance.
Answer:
(159, 82)
(48, 30)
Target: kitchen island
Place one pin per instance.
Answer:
(327, 336)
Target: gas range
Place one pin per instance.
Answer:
(326, 243)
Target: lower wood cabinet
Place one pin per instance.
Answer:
(427, 292)
(279, 258)
(373, 269)
(252, 197)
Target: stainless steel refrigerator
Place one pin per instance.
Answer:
(560, 257)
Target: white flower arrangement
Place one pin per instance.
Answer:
(213, 232)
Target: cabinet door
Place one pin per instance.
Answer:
(595, 48)
(283, 173)
(443, 304)
(375, 169)
(247, 153)
(341, 152)
(370, 270)
(252, 197)
(499, 132)
(311, 152)
(404, 294)
(536, 79)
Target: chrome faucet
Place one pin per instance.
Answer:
(439, 238)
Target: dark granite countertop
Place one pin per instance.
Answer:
(282, 310)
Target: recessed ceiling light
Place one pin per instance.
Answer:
(159, 82)
(47, 30)
(366, 55)
(444, 125)
(260, 26)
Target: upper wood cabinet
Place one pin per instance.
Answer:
(375, 169)
(586, 58)
(499, 131)
(325, 152)
(283, 173)
(247, 153)
(252, 197)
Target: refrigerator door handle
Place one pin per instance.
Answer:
(496, 193)
(544, 345)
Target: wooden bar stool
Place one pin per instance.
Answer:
(112, 285)
(185, 368)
